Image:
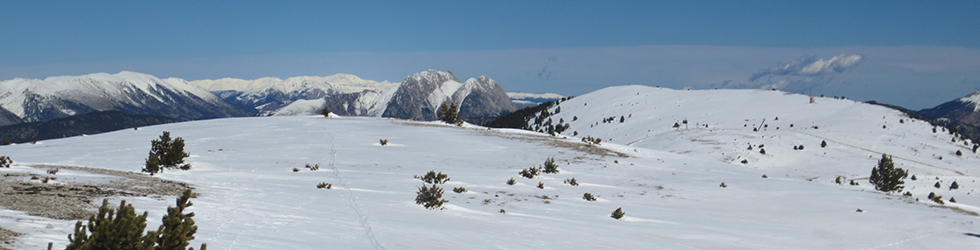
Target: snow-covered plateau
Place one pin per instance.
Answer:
(666, 179)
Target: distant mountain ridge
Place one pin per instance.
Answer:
(34, 100)
(960, 115)
(90, 123)
(418, 97)
(264, 96)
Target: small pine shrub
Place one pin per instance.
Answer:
(907, 194)
(931, 195)
(588, 197)
(723, 185)
(839, 180)
(550, 167)
(571, 181)
(502, 211)
(914, 178)
(765, 176)
(854, 183)
(744, 161)
(762, 151)
(459, 190)
(541, 185)
(937, 185)
(384, 142)
(295, 169)
(5, 161)
(323, 185)
(325, 112)
(938, 199)
(530, 172)
(954, 185)
(951, 199)
(618, 214)
(959, 153)
(801, 147)
(823, 144)
(313, 167)
(433, 178)
(511, 182)
(429, 197)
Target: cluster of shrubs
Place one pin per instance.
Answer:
(530, 172)
(323, 185)
(123, 229)
(313, 167)
(384, 142)
(430, 197)
(591, 140)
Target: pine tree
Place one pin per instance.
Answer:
(178, 228)
(112, 229)
(886, 177)
(550, 167)
(325, 112)
(823, 144)
(449, 113)
(166, 153)
(429, 197)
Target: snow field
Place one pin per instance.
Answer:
(251, 199)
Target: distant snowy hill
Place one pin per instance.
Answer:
(523, 100)
(32, 100)
(962, 114)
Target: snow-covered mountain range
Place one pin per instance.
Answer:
(418, 97)
(31, 100)
(265, 96)
(745, 171)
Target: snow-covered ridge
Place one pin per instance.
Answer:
(340, 83)
(974, 99)
(519, 96)
(38, 99)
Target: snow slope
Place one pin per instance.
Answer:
(667, 180)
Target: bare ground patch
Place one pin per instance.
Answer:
(73, 200)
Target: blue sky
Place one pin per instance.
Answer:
(913, 53)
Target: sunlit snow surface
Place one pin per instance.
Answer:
(668, 185)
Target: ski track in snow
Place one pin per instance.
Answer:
(352, 201)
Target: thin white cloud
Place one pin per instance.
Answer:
(811, 66)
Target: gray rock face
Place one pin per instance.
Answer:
(420, 95)
(486, 100)
(411, 100)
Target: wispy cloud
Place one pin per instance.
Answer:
(811, 66)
